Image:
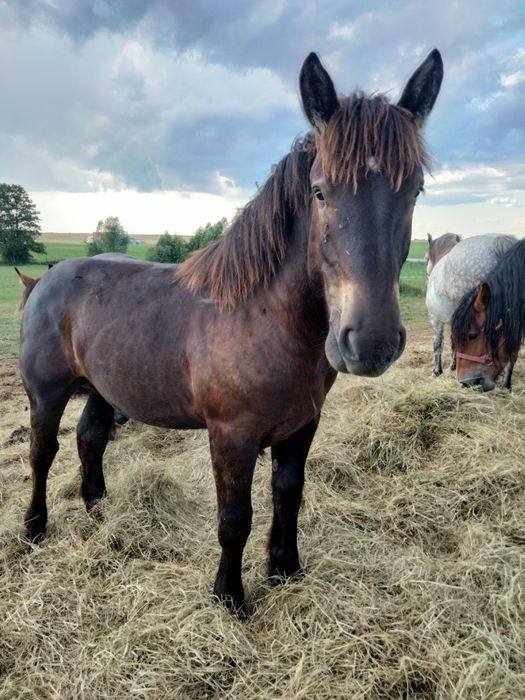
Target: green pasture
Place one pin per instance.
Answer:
(62, 251)
(412, 285)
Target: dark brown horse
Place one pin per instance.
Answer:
(488, 326)
(246, 337)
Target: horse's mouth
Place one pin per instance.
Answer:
(480, 382)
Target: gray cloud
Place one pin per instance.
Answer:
(158, 94)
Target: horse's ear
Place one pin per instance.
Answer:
(482, 298)
(458, 238)
(429, 239)
(422, 88)
(317, 92)
(26, 280)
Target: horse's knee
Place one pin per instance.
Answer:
(235, 523)
(42, 451)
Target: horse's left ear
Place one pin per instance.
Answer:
(422, 88)
(482, 298)
(317, 92)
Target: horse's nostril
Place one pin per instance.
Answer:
(350, 347)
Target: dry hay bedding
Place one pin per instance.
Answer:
(411, 532)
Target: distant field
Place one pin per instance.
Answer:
(80, 238)
(61, 246)
(63, 251)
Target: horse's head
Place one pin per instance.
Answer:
(365, 178)
(478, 341)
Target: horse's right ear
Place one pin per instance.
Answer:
(429, 239)
(317, 92)
(482, 298)
(422, 88)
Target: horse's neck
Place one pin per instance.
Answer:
(297, 289)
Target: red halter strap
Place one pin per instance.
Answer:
(486, 359)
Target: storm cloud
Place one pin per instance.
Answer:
(201, 96)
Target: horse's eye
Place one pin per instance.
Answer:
(419, 191)
(472, 336)
(319, 195)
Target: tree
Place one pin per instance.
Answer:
(112, 237)
(19, 225)
(169, 249)
(207, 234)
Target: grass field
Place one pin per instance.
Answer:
(59, 247)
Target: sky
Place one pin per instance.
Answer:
(170, 113)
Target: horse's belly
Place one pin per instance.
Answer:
(154, 391)
(439, 306)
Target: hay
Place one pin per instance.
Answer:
(411, 533)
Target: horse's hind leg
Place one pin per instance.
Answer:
(45, 421)
(438, 327)
(288, 460)
(93, 431)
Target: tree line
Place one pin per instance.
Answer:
(20, 228)
(175, 249)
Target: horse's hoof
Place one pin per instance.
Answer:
(437, 372)
(278, 576)
(231, 596)
(233, 605)
(284, 566)
(94, 510)
(35, 528)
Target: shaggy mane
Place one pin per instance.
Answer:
(250, 251)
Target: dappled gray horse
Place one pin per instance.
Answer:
(456, 273)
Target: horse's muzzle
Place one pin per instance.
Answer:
(479, 381)
(366, 355)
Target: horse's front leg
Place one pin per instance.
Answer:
(233, 465)
(288, 460)
(507, 373)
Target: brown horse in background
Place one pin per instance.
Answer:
(438, 248)
(488, 325)
(247, 336)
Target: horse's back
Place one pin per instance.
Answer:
(79, 290)
(461, 269)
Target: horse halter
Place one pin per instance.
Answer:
(487, 359)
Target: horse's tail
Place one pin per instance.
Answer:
(29, 284)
